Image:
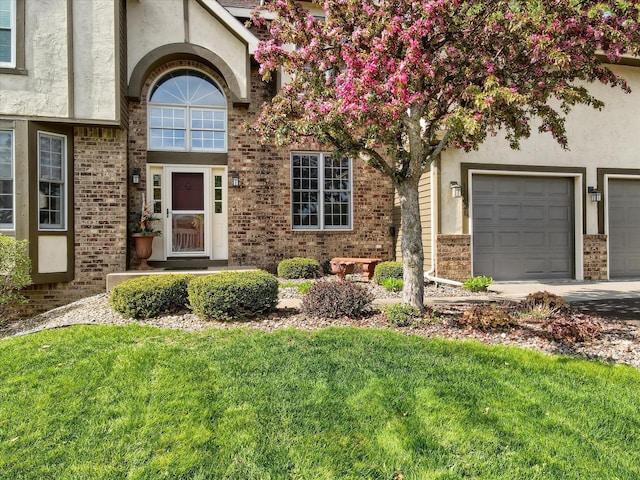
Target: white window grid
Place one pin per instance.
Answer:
(206, 130)
(52, 159)
(321, 192)
(7, 187)
(7, 33)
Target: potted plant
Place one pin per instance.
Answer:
(143, 234)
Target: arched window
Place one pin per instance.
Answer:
(187, 112)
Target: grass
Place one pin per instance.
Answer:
(137, 402)
(302, 286)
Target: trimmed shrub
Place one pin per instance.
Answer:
(392, 284)
(387, 270)
(232, 295)
(487, 317)
(150, 296)
(478, 284)
(335, 299)
(402, 315)
(15, 268)
(298, 267)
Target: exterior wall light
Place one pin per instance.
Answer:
(456, 190)
(135, 176)
(235, 179)
(596, 196)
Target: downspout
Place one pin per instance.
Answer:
(428, 276)
(434, 221)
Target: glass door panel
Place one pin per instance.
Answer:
(187, 233)
(187, 215)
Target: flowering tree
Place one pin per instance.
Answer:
(397, 81)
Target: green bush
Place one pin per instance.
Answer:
(150, 296)
(402, 315)
(232, 295)
(335, 299)
(387, 270)
(392, 284)
(298, 267)
(478, 284)
(15, 267)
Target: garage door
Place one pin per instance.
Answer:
(523, 227)
(624, 228)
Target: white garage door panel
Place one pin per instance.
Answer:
(523, 227)
(624, 228)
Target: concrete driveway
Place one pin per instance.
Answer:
(613, 299)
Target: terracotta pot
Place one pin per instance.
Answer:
(144, 248)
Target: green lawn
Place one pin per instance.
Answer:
(136, 402)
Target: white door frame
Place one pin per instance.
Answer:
(206, 172)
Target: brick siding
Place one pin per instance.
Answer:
(100, 207)
(260, 231)
(453, 257)
(595, 257)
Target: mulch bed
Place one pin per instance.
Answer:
(611, 340)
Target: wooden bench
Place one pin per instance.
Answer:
(342, 266)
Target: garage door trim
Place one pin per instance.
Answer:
(578, 199)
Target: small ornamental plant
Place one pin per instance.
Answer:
(478, 284)
(145, 225)
(402, 315)
(392, 284)
(15, 269)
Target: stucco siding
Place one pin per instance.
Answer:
(208, 32)
(44, 90)
(95, 43)
(152, 25)
(596, 139)
(70, 63)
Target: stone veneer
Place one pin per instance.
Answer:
(100, 209)
(595, 257)
(453, 257)
(259, 215)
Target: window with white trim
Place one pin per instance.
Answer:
(6, 180)
(52, 154)
(7, 33)
(187, 112)
(321, 192)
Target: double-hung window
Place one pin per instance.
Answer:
(52, 186)
(321, 192)
(187, 112)
(7, 33)
(6, 180)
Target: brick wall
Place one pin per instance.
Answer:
(100, 207)
(453, 257)
(595, 257)
(260, 210)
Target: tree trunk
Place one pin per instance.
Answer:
(411, 245)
